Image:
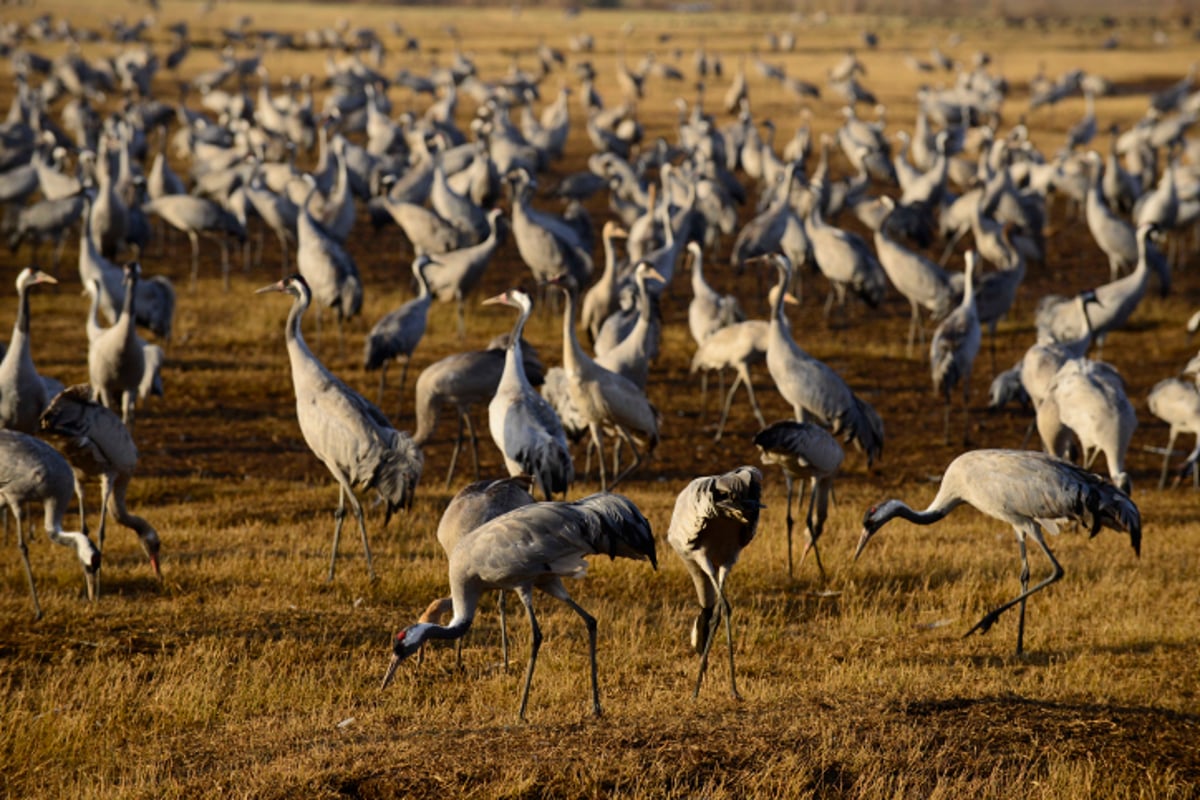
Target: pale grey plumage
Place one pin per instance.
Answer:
(98, 445)
(22, 392)
(709, 310)
(455, 274)
(922, 282)
(1177, 403)
(524, 427)
(350, 436)
(327, 269)
(534, 546)
(1027, 490)
(116, 361)
(33, 471)
(397, 333)
(803, 451)
(953, 349)
(740, 346)
(715, 517)
(195, 216)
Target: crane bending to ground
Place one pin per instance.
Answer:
(715, 518)
(1030, 491)
(534, 547)
(350, 436)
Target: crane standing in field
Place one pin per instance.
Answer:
(22, 392)
(116, 361)
(31, 470)
(524, 426)
(715, 518)
(953, 349)
(1027, 490)
(97, 443)
(805, 452)
(350, 436)
(398, 332)
(534, 546)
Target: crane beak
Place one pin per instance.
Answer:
(790, 299)
(89, 577)
(500, 299)
(656, 275)
(41, 277)
(274, 287)
(862, 542)
(391, 672)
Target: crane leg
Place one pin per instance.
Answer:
(526, 596)
(24, 548)
(749, 384)
(382, 383)
(82, 513)
(339, 516)
(1056, 573)
(727, 614)
(590, 622)
(818, 501)
(790, 521)
(706, 624)
(225, 263)
(597, 439)
(704, 396)
(1162, 480)
(912, 330)
(195, 240)
(725, 411)
(637, 457)
(503, 627)
(362, 529)
(454, 454)
(105, 494)
(462, 320)
(1024, 588)
(403, 378)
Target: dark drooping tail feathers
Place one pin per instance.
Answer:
(616, 527)
(1106, 506)
(863, 426)
(399, 473)
(739, 494)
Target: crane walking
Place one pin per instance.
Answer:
(1030, 491)
(350, 436)
(534, 547)
(715, 518)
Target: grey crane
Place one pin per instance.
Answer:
(740, 346)
(1059, 318)
(762, 235)
(1086, 401)
(534, 547)
(465, 380)
(953, 349)
(709, 310)
(473, 505)
(22, 392)
(548, 245)
(1114, 235)
(715, 517)
(46, 219)
(455, 274)
(845, 260)
(1176, 402)
(328, 270)
(1027, 490)
(922, 282)
(97, 444)
(811, 387)
(1082, 132)
(115, 357)
(524, 427)
(630, 356)
(196, 216)
(427, 232)
(604, 398)
(803, 451)
(397, 333)
(33, 471)
(349, 435)
(601, 299)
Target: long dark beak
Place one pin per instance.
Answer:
(278, 286)
(391, 672)
(862, 542)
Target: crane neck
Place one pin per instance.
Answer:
(889, 510)
(291, 332)
(573, 356)
(610, 261)
(128, 303)
(22, 324)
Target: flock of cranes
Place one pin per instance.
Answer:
(455, 194)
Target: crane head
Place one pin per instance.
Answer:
(404, 644)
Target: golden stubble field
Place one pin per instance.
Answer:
(245, 675)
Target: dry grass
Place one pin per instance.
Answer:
(246, 675)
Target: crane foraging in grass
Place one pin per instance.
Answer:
(33, 471)
(1030, 491)
(715, 517)
(350, 436)
(534, 547)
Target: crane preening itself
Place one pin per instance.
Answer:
(351, 437)
(534, 547)
(715, 517)
(1028, 490)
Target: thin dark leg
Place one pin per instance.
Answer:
(339, 516)
(527, 598)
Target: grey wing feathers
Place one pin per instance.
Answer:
(398, 472)
(863, 426)
(1102, 505)
(805, 441)
(615, 526)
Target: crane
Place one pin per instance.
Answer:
(116, 360)
(22, 392)
(31, 470)
(603, 398)
(1176, 402)
(349, 435)
(97, 444)
(524, 426)
(473, 505)
(811, 387)
(1029, 491)
(534, 547)
(397, 333)
(805, 452)
(715, 517)
(953, 349)
(738, 345)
